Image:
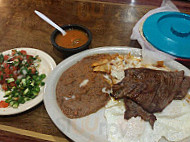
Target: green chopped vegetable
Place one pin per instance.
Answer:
(26, 85)
(42, 83)
(7, 93)
(26, 91)
(9, 80)
(1, 58)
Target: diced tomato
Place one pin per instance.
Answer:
(14, 68)
(28, 56)
(29, 62)
(33, 70)
(13, 52)
(3, 78)
(4, 86)
(7, 71)
(3, 104)
(23, 52)
(6, 57)
(19, 57)
(14, 58)
(12, 84)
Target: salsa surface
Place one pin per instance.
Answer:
(73, 39)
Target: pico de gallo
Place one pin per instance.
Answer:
(19, 78)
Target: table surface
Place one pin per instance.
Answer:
(110, 21)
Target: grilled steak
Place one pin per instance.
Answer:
(134, 110)
(184, 88)
(151, 89)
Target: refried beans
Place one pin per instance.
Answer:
(79, 89)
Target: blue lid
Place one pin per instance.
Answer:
(169, 32)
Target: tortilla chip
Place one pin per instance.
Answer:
(100, 62)
(103, 68)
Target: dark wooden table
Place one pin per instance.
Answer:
(110, 21)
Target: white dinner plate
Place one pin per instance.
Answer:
(47, 64)
(92, 127)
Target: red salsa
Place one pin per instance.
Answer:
(73, 39)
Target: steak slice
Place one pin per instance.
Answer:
(151, 89)
(134, 110)
(184, 88)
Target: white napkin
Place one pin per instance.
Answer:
(151, 55)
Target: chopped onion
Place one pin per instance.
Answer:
(20, 76)
(24, 72)
(15, 72)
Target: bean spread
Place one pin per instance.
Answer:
(79, 89)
